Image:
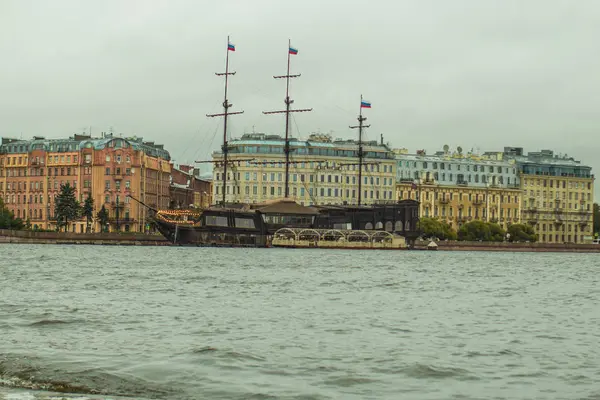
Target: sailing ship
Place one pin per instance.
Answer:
(235, 224)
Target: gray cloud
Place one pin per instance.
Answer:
(481, 74)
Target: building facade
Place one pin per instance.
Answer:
(187, 189)
(557, 195)
(107, 168)
(322, 171)
(458, 188)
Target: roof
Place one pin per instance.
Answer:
(283, 206)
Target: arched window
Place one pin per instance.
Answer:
(398, 227)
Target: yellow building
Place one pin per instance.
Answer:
(322, 171)
(557, 195)
(459, 188)
(459, 204)
(559, 209)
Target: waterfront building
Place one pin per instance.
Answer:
(109, 168)
(557, 195)
(322, 170)
(188, 189)
(458, 188)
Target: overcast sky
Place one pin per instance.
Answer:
(481, 74)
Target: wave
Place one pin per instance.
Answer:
(227, 354)
(36, 374)
(45, 322)
(505, 352)
(425, 371)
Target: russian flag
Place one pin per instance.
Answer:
(293, 51)
(230, 47)
(365, 104)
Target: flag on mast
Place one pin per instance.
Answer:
(230, 47)
(293, 50)
(365, 104)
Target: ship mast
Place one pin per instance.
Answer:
(360, 127)
(288, 102)
(225, 114)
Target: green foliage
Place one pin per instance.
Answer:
(102, 218)
(481, 231)
(596, 218)
(66, 208)
(521, 233)
(433, 228)
(88, 211)
(8, 220)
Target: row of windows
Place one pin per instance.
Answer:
(469, 212)
(561, 205)
(17, 172)
(566, 227)
(61, 159)
(477, 197)
(310, 151)
(118, 199)
(316, 165)
(457, 167)
(278, 177)
(302, 192)
(544, 194)
(117, 185)
(561, 238)
(552, 182)
(117, 171)
(456, 178)
(39, 185)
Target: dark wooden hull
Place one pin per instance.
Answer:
(247, 228)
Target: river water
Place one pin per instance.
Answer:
(103, 322)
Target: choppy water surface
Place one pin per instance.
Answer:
(98, 322)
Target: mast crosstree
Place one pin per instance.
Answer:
(288, 102)
(225, 114)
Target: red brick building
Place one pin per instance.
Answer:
(187, 189)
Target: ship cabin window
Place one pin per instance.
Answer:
(244, 223)
(216, 220)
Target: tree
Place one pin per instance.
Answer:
(497, 233)
(66, 208)
(521, 233)
(102, 218)
(88, 211)
(481, 231)
(8, 220)
(596, 218)
(431, 228)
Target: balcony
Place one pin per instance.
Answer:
(428, 181)
(444, 200)
(462, 183)
(117, 177)
(477, 202)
